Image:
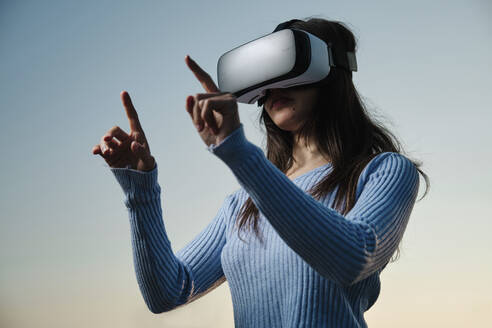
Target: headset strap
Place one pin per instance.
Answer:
(337, 58)
(284, 25)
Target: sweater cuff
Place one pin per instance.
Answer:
(235, 149)
(134, 181)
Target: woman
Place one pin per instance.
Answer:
(329, 204)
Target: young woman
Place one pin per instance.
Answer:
(327, 205)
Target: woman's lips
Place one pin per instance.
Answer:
(280, 102)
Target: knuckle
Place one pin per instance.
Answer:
(196, 112)
(203, 115)
(110, 131)
(105, 148)
(140, 137)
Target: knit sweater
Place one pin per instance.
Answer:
(314, 268)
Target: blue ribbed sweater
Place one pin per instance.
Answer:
(315, 268)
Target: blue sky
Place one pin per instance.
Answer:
(424, 67)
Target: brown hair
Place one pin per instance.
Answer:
(339, 125)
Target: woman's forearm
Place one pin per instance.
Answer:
(168, 280)
(161, 277)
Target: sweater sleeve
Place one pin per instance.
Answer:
(345, 249)
(167, 280)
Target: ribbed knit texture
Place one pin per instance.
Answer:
(316, 268)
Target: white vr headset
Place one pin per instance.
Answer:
(285, 58)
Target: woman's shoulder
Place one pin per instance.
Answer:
(388, 163)
(239, 196)
(236, 200)
(387, 158)
(236, 197)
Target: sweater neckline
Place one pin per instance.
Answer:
(311, 171)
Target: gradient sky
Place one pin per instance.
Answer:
(424, 67)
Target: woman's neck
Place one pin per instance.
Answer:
(306, 156)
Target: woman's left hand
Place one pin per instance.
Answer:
(215, 114)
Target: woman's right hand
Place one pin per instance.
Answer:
(120, 149)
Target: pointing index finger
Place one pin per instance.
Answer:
(131, 113)
(202, 76)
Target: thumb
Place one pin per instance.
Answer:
(138, 149)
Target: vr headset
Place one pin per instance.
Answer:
(285, 58)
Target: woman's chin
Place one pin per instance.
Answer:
(284, 119)
(286, 125)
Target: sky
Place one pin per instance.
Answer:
(424, 67)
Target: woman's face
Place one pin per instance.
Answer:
(290, 107)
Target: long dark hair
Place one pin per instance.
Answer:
(339, 125)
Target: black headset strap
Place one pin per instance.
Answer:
(338, 58)
(286, 24)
